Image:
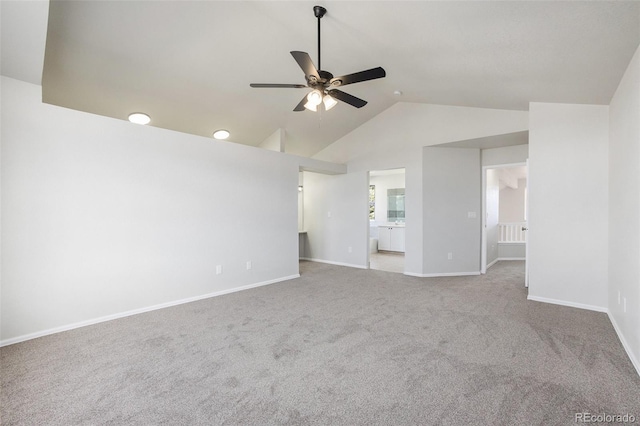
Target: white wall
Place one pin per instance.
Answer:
(395, 139)
(512, 251)
(336, 218)
(386, 138)
(102, 217)
(568, 231)
(493, 206)
(505, 155)
(624, 208)
(452, 190)
(383, 183)
(512, 203)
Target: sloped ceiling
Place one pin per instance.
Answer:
(189, 64)
(23, 33)
(510, 177)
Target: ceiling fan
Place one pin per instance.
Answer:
(323, 84)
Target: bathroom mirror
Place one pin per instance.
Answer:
(395, 205)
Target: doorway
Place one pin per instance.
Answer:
(387, 220)
(505, 214)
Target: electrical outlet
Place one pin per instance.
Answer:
(248, 265)
(450, 256)
(218, 269)
(350, 249)
(471, 215)
(328, 214)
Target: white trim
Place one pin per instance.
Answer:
(442, 274)
(625, 345)
(483, 220)
(68, 327)
(330, 262)
(500, 259)
(566, 303)
(493, 263)
(527, 218)
(512, 242)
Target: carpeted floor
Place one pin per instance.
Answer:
(336, 346)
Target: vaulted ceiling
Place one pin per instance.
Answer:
(188, 64)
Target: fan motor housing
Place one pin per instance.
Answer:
(325, 75)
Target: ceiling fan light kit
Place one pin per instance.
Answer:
(323, 84)
(314, 98)
(329, 102)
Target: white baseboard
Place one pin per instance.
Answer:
(567, 303)
(443, 274)
(625, 345)
(500, 259)
(493, 263)
(330, 262)
(68, 327)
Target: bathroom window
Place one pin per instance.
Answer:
(372, 202)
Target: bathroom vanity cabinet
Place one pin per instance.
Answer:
(391, 238)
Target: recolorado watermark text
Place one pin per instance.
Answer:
(604, 418)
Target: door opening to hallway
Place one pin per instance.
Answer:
(505, 214)
(387, 220)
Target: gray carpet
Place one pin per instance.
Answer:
(337, 346)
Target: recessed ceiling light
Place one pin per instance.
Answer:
(139, 118)
(221, 134)
(397, 93)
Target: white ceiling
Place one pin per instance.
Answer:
(509, 177)
(189, 64)
(23, 31)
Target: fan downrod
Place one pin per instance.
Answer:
(319, 11)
